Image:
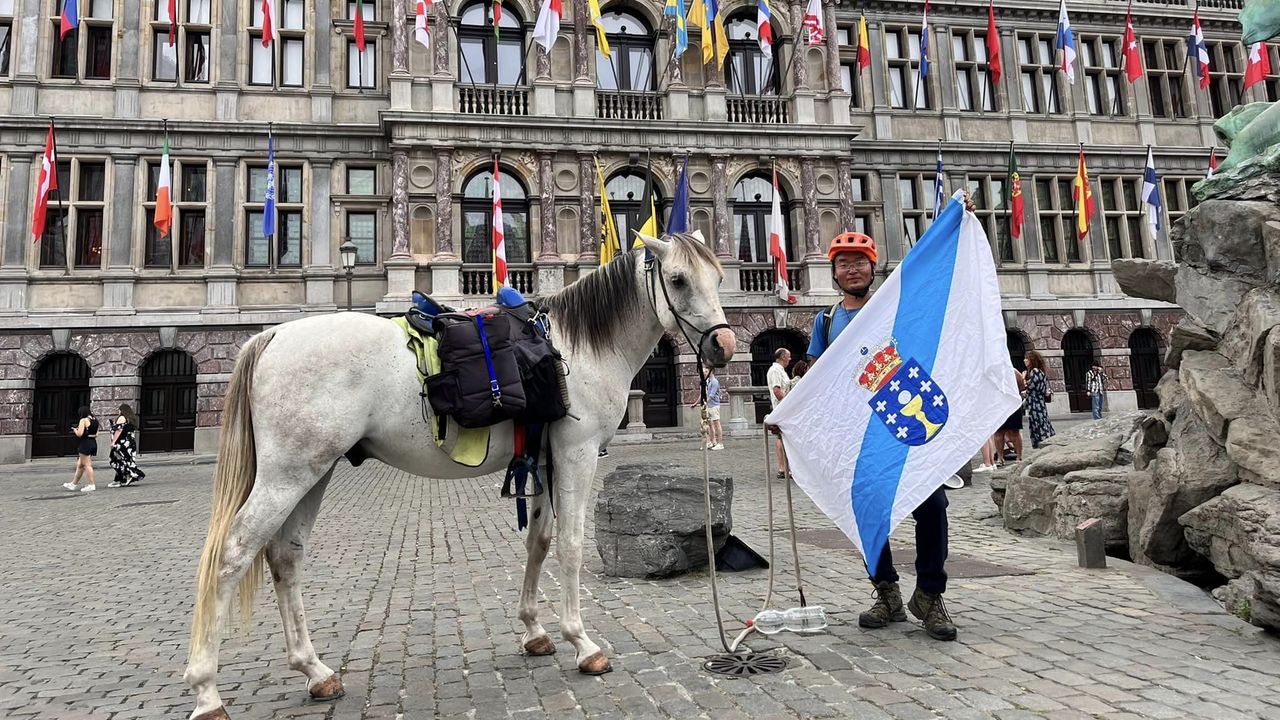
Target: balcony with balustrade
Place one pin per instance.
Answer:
(758, 278)
(477, 279)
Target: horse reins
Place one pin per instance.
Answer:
(653, 266)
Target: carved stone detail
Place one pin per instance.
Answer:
(440, 41)
(444, 201)
(548, 249)
(799, 68)
(845, 190)
(720, 205)
(583, 45)
(833, 50)
(809, 189)
(399, 38)
(400, 202)
(589, 241)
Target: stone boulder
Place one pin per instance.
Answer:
(1239, 531)
(1095, 493)
(1088, 445)
(1030, 504)
(1216, 391)
(1171, 395)
(1152, 435)
(650, 519)
(1149, 279)
(1188, 334)
(1222, 237)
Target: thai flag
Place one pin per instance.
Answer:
(1066, 41)
(1198, 51)
(1151, 195)
(908, 392)
(924, 43)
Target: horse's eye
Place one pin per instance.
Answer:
(678, 280)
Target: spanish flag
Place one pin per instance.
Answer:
(1082, 194)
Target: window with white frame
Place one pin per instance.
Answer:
(362, 67)
(1226, 76)
(281, 62)
(1123, 216)
(6, 36)
(990, 198)
(284, 247)
(974, 89)
(180, 46)
(85, 52)
(75, 215)
(1055, 209)
(850, 76)
(1042, 91)
(184, 247)
(902, 54)
(1163, 63)
(1103, 88)
(362, 221)
(864, 206)
(913, 198)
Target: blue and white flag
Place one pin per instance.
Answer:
(1066, 41)
(269, 202)
(937, 184)
(909, 391)
(1151, 195)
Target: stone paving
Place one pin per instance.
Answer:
(413, 586)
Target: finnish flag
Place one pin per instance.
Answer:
(1151, 195)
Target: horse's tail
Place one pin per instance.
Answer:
(232, 482)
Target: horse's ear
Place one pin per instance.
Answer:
(660, 248)
(697, 235)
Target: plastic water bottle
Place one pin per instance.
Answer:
(770, 621)
(807, 619)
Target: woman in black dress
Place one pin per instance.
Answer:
(1038, 397)
(87, 431)
(124, 449)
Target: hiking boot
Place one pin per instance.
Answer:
(931, 611)
(888, 607)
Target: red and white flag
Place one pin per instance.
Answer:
(420, 32)
(548, 26)
(499, 239)
(1259, 65)
(778, 250)
(1213, 163)
(813, 23)
(173, 21)
(1132, 56)
(268, 29)
(46, 183)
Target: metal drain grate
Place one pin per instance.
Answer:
(745, 665)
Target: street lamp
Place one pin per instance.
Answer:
(347, 251)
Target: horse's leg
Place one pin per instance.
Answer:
(535, 640)
(574, 481)
(257, 520)
(285, 553)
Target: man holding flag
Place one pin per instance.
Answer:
(910, 384)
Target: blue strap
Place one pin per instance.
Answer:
(488, 361)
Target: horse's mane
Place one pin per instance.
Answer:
(607, 303)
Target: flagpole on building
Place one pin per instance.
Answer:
(359, 71)
(1008, 194)
(62, 212)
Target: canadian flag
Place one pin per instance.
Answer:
(420, 32)
(1259, 66)
(777, 250)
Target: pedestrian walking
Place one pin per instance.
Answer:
(1037, 399)
(715, 431)
(1010, 433)
(87, 430)
(1095, 383)
(124, 449)
(779, 384)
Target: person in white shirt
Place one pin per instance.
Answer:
(779, 383)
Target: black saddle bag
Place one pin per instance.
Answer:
(474, 387)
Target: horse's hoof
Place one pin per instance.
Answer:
(329, 689)
(540, 646)
(218, 713)
(595, 664)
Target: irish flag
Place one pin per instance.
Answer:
(164, 194)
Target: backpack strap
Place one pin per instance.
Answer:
(494, 389)
(830, 316)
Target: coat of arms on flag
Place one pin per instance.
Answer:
(909, 403)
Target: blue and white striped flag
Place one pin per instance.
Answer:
(1151, 195)
(909, 391)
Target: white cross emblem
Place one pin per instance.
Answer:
(937, 401)
(913, 373)
(891, 418)
(880, 406)
(902, 432)
(894, 386)
(926, 386)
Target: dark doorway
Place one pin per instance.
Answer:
(1144, 366)
(762, 349)
(658, 381)
(1017, 349)
(1077, 356)
(167, 413)
(62, 387)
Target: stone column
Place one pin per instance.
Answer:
(320, 272)
(845, 167)
(440, 39)
(799, 68)
(400, 202)
(400, 38)
(542, 65)
(17, 235)
(675, 73)
(720, 206)
(125, 81)
(444, 203)
(809, 189)
(589, 236)
(228, 46)
(584, 47)
(833, 47)
(25, 56)
(548, 248)
(220, 280)
(322, 86)
(119, 245)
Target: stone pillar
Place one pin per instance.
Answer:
(544, 92)
(400, 38)
(799, 68)
(845, 168)
(809, 189)
(117, 280)
(720, 206)
(446, 267)
(548, 249)
(227, 89)
(401, 267)
(320, 272)
(17, 235)
(675, 73)
(542, 63)
(220, 280)
(589, 236)
(440, 35)
(322, 85)
(584, 48)
(125, 80)
(25, 56)
(833, 48)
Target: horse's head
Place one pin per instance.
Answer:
(686, 294)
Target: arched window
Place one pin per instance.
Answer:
(626, 200)
(630, 65)
(486, 57)
(477, 218)
(750, 71)
(752, 205)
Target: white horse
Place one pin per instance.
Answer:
(280, 442)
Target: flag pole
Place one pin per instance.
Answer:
(359, 71)
(62, 212)
(1008, 195)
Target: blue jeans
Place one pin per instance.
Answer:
(931, 547)
(1097, 406)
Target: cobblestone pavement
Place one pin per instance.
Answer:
(413, 586)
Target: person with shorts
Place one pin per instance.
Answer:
(715, 431)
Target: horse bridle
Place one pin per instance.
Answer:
(653, 266)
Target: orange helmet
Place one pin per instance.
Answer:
(852, 242)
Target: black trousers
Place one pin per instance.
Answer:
(931, 547)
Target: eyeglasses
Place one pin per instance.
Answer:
(860, 264)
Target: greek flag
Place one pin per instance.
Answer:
(909, 391)
(1151, 195)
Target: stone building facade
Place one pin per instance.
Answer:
(393, 149)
